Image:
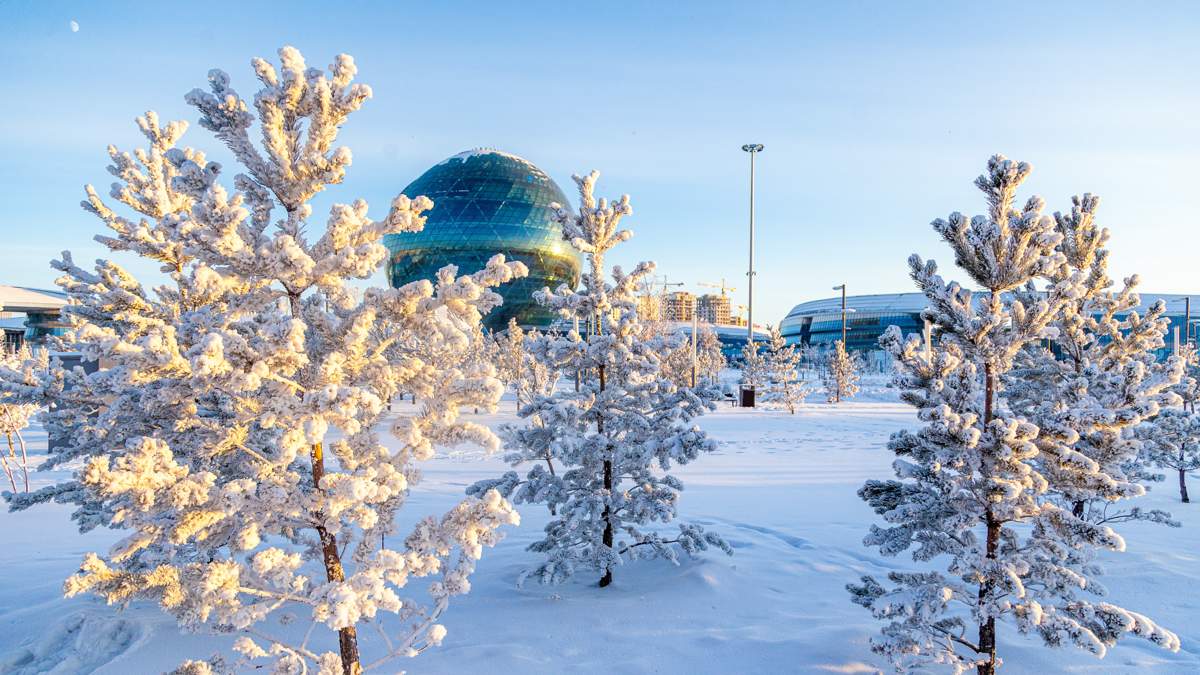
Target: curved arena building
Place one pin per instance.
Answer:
(819, 322)
(487, 202)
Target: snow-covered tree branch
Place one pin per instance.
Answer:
(841, 374)
(601, 454)
(976, 487)
(785, 388)
(234, 433)
(23, 365)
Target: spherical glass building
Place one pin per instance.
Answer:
(487, 202)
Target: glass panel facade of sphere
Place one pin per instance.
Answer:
(484, 203)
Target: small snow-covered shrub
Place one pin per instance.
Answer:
(22, 365)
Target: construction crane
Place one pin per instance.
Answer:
(653, 293)
(649, 286)
(724, 288)
(665, 284)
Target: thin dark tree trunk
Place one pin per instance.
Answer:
(1183, 486)
(347, 637)
(987, 630)
(1077, 509)
(608, 486)
(334, 572)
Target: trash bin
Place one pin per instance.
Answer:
(747, 396)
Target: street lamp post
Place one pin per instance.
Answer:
(753, 149)
(842, 288)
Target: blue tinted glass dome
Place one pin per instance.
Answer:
(487, 202)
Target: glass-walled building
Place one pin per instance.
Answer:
(733, 339)
(487, 202)
(819, 322)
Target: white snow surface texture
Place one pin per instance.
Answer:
(781, 489)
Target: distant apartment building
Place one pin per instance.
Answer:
(714, 309)
(678, 306)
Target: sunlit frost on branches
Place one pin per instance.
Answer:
(234, 433)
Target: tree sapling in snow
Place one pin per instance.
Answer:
(600, 454)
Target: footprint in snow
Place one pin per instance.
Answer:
(78, 643)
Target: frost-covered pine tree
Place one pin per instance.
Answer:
(601, 455)
(536, 378)
(754, 365)
(706, 359)
(517, 367)
(710, 359)
(785, 388)
(969, 491)
(24, 365)
(1090, 385)
(508, 350)
(1172, 442)
(681, 364)
(1169, 440)
(233, 434)
(842, 372)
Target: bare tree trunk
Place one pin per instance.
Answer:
(347, 637)
(987, 630)
(1077, 509)
(8, 472)
(24, 459)
(1183, 486)
(334, 572)
(537, 421)
(608, 486)
(12, 454)
(24, 462)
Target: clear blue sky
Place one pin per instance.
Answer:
(876, 117)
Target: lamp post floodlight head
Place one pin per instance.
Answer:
(840, 287)
(753, 147)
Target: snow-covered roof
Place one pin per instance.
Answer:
(913, 303)
(21, 299)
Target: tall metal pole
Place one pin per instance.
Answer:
(1187, 320)
(695, 355)
(753, 149)
(750, 272)
(843, 316)
(842, 288)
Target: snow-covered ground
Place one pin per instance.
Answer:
(781, 490)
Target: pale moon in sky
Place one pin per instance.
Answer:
(74, 26)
